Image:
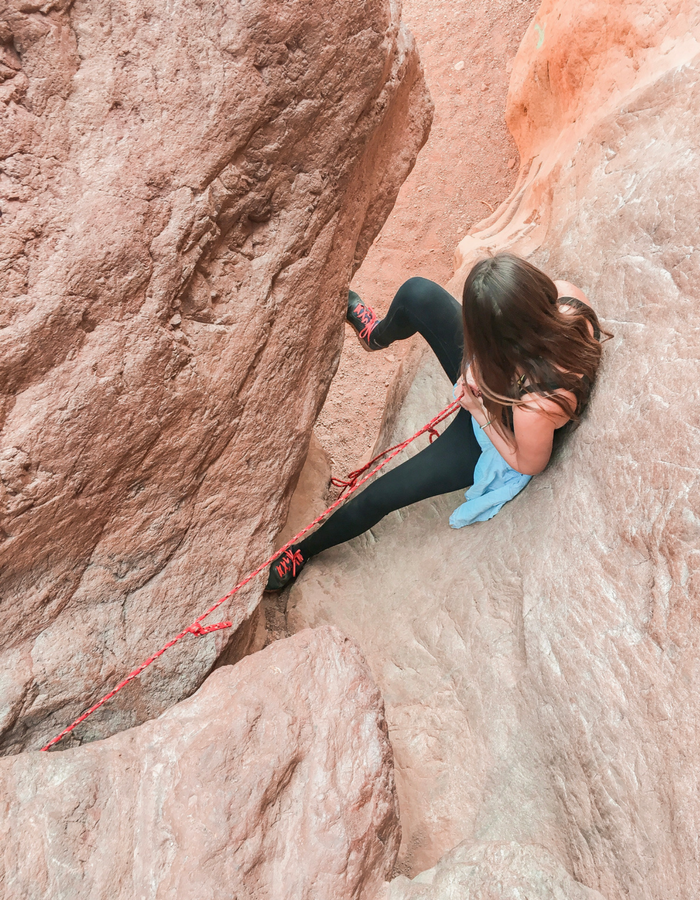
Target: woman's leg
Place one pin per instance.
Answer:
(445, 465)
(423, 306)
(420, 306)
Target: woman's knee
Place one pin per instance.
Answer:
(417, 292)
(424, 300)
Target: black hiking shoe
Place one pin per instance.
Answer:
(285, 568)
(364, 320)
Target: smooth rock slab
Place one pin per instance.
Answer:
(540, 670)
(273, 782)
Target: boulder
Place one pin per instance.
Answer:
(185, 192)
(273, 782)
(540, 669)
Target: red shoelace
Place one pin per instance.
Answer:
(289, 558)
(368, 317)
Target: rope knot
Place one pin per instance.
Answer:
(198, 629)
(349, 484)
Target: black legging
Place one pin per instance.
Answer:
(445, 465)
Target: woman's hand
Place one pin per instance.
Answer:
(467, 397)
(471, 382)
(534, 423)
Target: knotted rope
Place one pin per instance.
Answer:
(349, 486)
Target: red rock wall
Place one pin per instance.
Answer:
(578, 60)
(186, 190)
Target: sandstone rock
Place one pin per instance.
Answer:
(310, 494)
(185, 193)
(540, 670)
(310, 499)
(578, 62)
(274, 781)
(497, 871)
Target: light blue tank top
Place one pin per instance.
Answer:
(495, 483)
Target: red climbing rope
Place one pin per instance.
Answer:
(350, 484)
(353, 483)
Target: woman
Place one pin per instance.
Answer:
(523, 351)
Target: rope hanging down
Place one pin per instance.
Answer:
(353, 483)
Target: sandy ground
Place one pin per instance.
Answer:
(468, 166)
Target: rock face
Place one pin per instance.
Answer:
(496, 871)
(274, 781)
(540, 670)
(185, 192)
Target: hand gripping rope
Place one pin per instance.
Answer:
(352, 484)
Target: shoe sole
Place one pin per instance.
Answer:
(361, 340)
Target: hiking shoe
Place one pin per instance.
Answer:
(364, 320)
(285, 568)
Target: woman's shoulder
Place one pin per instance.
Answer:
(571, 299)
(567, 289)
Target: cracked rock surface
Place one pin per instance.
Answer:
(540, 669)
(185, 190)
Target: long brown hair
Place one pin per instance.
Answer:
(515, 334)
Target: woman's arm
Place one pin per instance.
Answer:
(534, 424)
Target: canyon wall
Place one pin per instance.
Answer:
(540, 669)
(185, 192)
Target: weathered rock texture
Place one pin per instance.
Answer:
(540, 670)
(274, 781)
(496, 871)
(185, 191)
